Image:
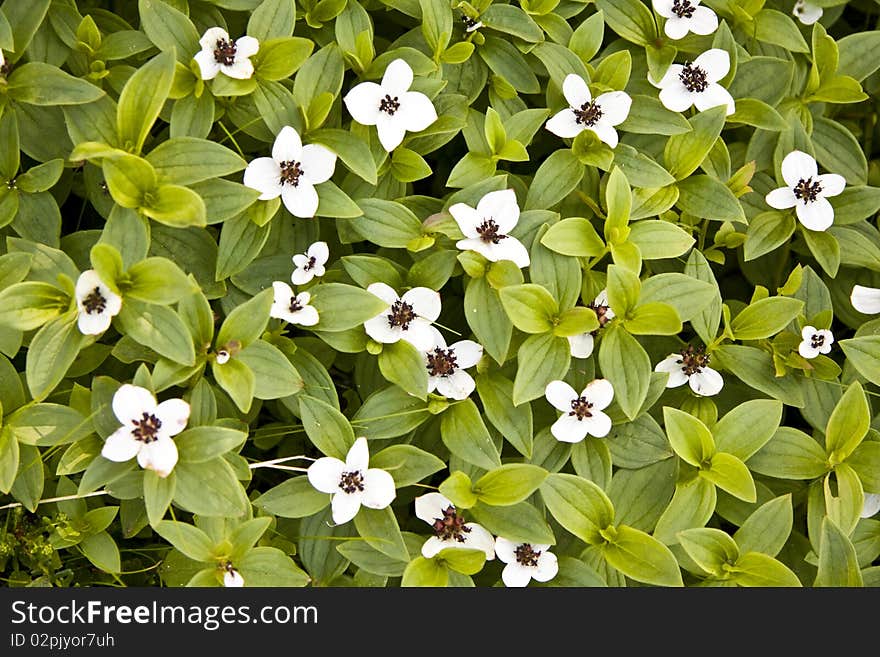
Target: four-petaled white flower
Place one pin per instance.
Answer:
(446, 366)
(806, 12)
(581, 345)
(815, 341)
(696, 83)
(391, 106)
(292, 173)
(310, 264)
(146, 429)
(683, 16)
(806, 191)
(407, 317)
(486, 228)
(865, 299)
(96, 304)
(691, 366)
(450, 529)
(599, 115)
(525, 562)
(581, 413)
(291, 307)
(352, 483)
(871, 505)
(231, 577)
(220, 53)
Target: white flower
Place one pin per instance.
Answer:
(232, 578)
(446, 366)
(220, 53)
(291, 307)
(486, 227)
(815, 341)
(407, 317)
(450, 529)
(599, 115)
(310, 264)
(525, 562)
(683, 16)
(865, 299)
(806, 190)
(581, 345)
(471, 24)
(146, 429)
(696, 83)
(691, 366)
(871, 505)
(581, 413)
(96, 304)
(390, 106)
(292, 173)
(806, 12)
(351, 483)
(223, 356)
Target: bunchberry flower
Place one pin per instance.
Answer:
(231, 577)
(146, 429)
(599, 115)
(407, 317)
(220, 53)
(352, 483)
(581, 413)
(683, 16)
(471, 24)
(96, 304)
(486, 228)
(291, 307)
(525, 562)
(806, 191)
(292, 173)
(581, 345)
(871, 505)
(806, 12)
(865, 299)
(814, 342)
(446, 366)
(696, 83)
(391, 106)
(691, 366)
(450, 529)
(310, 264)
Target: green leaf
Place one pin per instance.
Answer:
(731, 475)
(158, 493)
(157, 280)
(268, 566)
(169, 29)
(294, 498)
(509, 484)
(838, 564)
(618, 201)
(660, 239)
(247, 321)
(29, 305)
(176, 206)
(425, 572)
(210, 489)
(625, 363)
(653, 318)
(275, 377)
(689, 437)
(790, 454)
(530, 307)
(487, 318)
(754, 367)
(272, 18)
(704, 196)
(327, 428)
(579, 505)
(342, 307)
(187, 160)
(513, 422)
(101, 550)
(693, 503)
(9, 459)
(192, 541)
(541, 359)
(129, 179)
(774, 27)
(407, 464)
(685, 152)
(768, 527)
(387, 223)
(767, 232)
(574, 236)
(403, 364)
(555, 179)
(238, 380)
(642, 557)
(457, 488)
(51, 352)
(200, 444)
(379, 528)
(159, 328)
(631, 19)
(463, 560)
(711, 549)
(756, 569)
(686, 294)
(839, 151)
(748, 427)
(503, 58)
(141, 100)
(520, 522)
(848, 424)
(465, 435)
(36, 83)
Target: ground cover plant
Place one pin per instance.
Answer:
(439, 293)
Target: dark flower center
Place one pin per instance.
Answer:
(817, 340)
(601, 313)
(807, 190)
(683, 8)
(351, 481)
(224, 52)
(580, 408)
(451, 526)
(488, 232)
(228, 567)
(94, 302)
(693, 360)
(389, 105)
(291, 172)
(401, 314)
(588, 114)
(693, 78)
(146, 428)
(311, 263)
(469, 23)
(295, 305)
(5, 69)
(442, 362)
(526, 555)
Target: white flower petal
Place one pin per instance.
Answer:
(560, 395)
(425, 302)
(599, 393)
(670, 78)
(380, 330)
(815, 215)
(871, 505)
(502, 208)
(93, 323)
(832, 184)
(325, 474)
(516, 575)
(547, 568)
(264, 175)
(305, 316)
(505, 549)
(828, 335)
(419, 334)
(211, 36)
(509, 248)
(467, 218)
(808, 332)
(797, 166)
(384, 292)
(358, 457)
(379, 489)
(663, 7)
(300, 276)
(391, 131)
(416, 111)
(676, 98)
(467, 353)
(615, 107)
(575, 90)
(398, 78)
(160, 456)
(581, 346)
(319, 251)
(282, 295)
(598, 424)
(345, 506)
(565, 124)
(241, 69)
(865, 299)
(458, 385)
(173, 414)
(713, 96)
(432, 547)
(208, 65)
(707, 382)
(131, 402)
(806, 12)
(716, 63)
(318, 164)
(120, 445)
(233, 579)
(301, 201)
(479, 538)
(704, 21)
(676, 28)
(246, 46)
(430, 507)
(288, 145)
(807, 350)
(672, 365)
(606, 133)
(781, 198)
(568, 429)
(362, 102)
